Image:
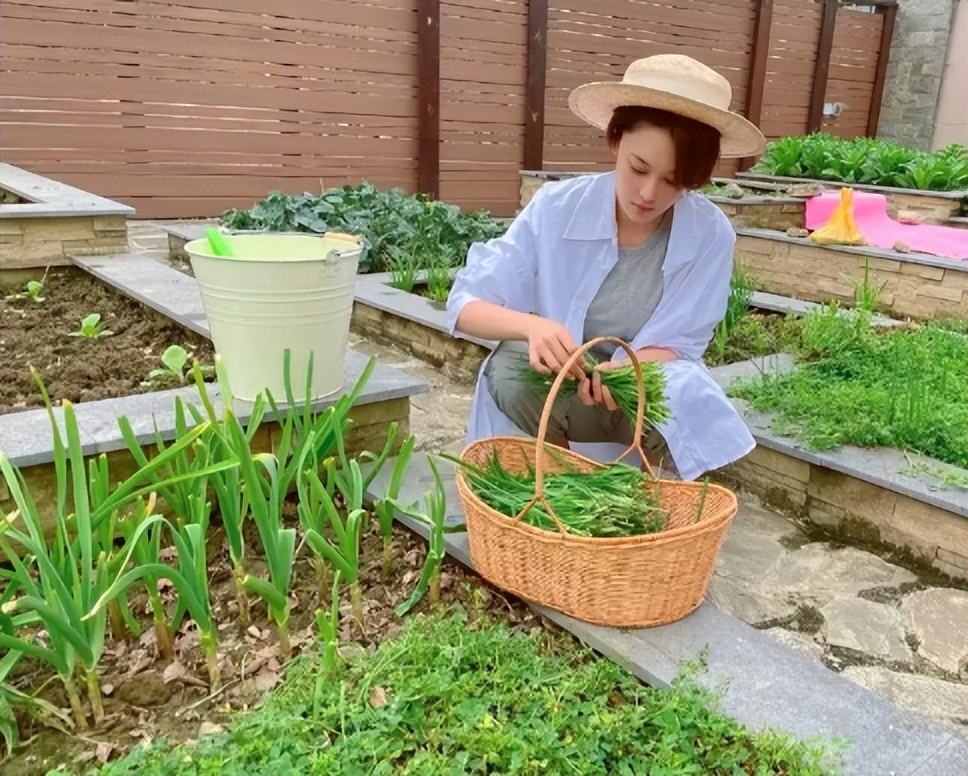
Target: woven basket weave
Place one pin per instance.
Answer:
(636, 581)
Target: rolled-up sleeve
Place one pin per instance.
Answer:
(501, 271)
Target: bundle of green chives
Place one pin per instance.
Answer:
(620, 382)
(610, 502)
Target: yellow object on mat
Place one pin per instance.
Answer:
(840, 229)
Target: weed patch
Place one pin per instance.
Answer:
(450, 696)
(871, 387)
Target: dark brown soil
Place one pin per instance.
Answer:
(146, 697)
(82, 369)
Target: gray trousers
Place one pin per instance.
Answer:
(570, 420)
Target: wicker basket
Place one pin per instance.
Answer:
(637, 581)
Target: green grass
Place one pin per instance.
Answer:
(449, 696)
(871, 388)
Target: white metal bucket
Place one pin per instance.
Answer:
(279, 291)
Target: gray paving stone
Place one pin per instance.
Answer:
(747, 602)
(26, 437)
(950, 760)
(748, 554)
(944, 702)
(152, 283)
(939, 618)
(30, 441)
(47, 197)
(818, 572)
(798, 641)
(868, 627)
(767, 683)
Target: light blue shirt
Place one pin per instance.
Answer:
(552, 261)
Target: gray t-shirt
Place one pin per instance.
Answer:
(630, 292)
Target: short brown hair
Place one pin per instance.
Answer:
(697, 144)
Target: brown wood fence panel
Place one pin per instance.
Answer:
(597, 40)
(187, 107)
(853, 67)
(789, 71)
(482, 89)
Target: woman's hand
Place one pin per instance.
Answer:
(592, 392)
(549, 347)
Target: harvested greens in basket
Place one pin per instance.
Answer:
(622, 384)
(611, 502)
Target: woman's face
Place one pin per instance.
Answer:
(645, 163)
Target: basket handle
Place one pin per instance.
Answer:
(562, 375)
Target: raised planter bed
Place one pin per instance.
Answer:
(26, 436)
(934, 206)
(917, 285)
(48, 221)
(858, 494)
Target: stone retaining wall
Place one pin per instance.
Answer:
(367, 431)
(435, 347)
(27, 243)
(798, 268)
(914, 71)
(779, 213)
(855, 509)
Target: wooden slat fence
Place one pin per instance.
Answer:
(482, 86)
(597, 40)
(186, 108)
(853, 70)
(183, 108)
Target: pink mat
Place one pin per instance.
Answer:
(870, 213)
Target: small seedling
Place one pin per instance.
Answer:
(176, 364)
(92, 328)
(35, 291)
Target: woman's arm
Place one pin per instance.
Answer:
(549, 342)
(492, 321)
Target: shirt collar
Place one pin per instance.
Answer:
(594, 219)
(594, 215)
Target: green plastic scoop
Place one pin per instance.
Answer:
(220, 246)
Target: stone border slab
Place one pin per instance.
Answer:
(783, 179)
(47, 197)
(152, 283)
(767, 684)
(27, 438)
(958, 265)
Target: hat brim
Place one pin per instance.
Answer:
(595, 103)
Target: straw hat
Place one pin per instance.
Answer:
(678, 84)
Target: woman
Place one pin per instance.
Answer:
(635, 253)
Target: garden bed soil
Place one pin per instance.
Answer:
(79, 369)
(147, 698)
